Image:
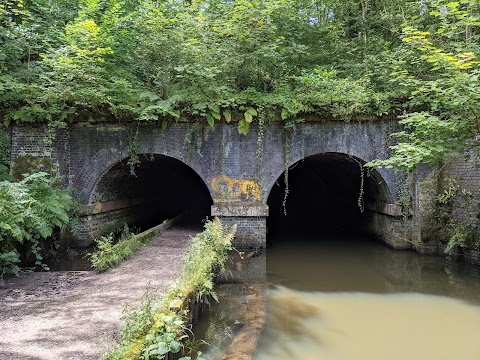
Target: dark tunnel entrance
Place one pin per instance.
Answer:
(161, 188)
(326, 197)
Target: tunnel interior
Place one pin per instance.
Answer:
(161, 188)
(325, 198)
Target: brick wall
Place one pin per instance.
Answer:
(467, 172)
(251, 231)
(31, 141)
(394, 231)
(90, 157)
(87, 228)
(464, 208)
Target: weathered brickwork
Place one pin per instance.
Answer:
(459, 175)
(92, 159)
(31, 141)
(466, 208)
(395, 231)
(252, 231)
(467, 172)
(93, 226)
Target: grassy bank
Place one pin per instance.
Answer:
(110, 252)
(161, 326)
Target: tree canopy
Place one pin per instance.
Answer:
(69, 60)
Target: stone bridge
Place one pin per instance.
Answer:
(215, 171)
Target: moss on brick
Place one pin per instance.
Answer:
(28, 164)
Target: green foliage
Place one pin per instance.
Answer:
(83, 60)
(437, 66)
(30, 211)
(207, 254)
(4, 157)
(404, 193)
(461, 238)
(159, 327)
(110, 252)
(166, 338)
(213, 61)
(438, 223)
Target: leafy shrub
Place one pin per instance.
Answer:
(4, 157)
(30, 211)
(208, 252)
(110, 253)
(462, 235)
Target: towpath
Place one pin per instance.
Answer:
(77, 315)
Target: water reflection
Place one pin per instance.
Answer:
(346, 264)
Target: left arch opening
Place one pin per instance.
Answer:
(162, 188)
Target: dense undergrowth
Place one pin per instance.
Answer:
(159, 60)
(160, 325)
(31, 210)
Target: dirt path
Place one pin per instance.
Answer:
(76, 315)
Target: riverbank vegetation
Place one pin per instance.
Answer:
(160, 326)
(32, 210)
(110, 251)
(247, 61)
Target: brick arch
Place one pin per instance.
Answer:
(381, 175)
(105, 159)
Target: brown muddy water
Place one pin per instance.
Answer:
(348, 298)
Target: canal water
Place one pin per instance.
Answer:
(350, 298)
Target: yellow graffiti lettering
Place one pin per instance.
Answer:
(235, 189)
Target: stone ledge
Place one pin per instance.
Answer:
(384, 208)
(240, 210)
(97, 208)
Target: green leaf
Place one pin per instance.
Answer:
(249, 114)
(210, 120)
(228, 115)
(149, 95)
(216, 112)
(45, 232)
(163, 349)
(164, 124)
(243, 127)
(175, 347)
(453, 4)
